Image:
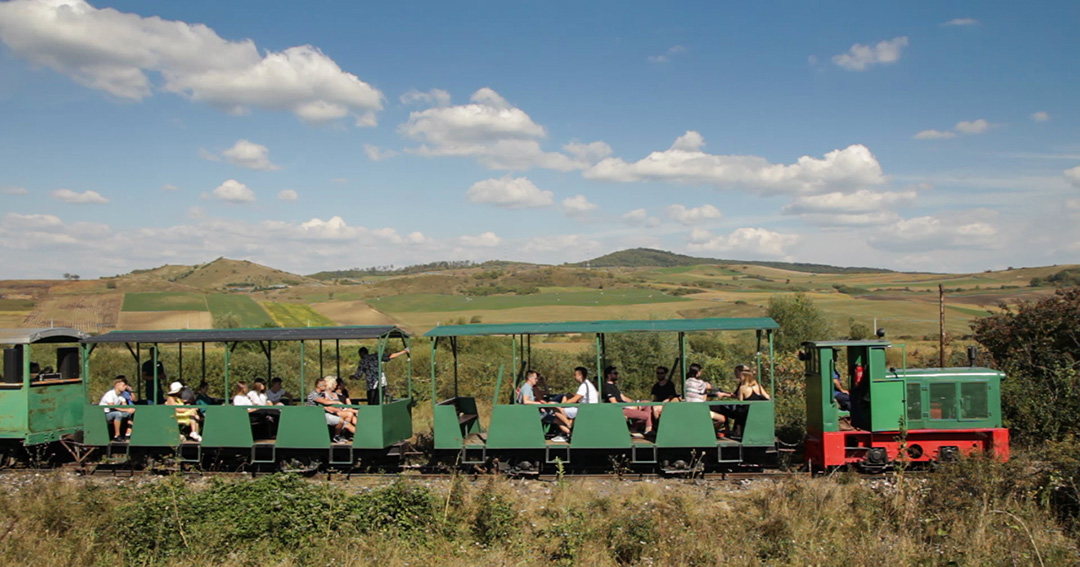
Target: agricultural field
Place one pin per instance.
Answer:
(89, 313)
(441, 303)
(165, 301)
(244, 307)
(354, 313)
(162, 320)
(297, 315)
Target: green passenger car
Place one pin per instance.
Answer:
(41, 389)
(514, 437)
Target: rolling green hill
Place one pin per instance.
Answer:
(648, 257)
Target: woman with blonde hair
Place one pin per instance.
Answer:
(749, 389)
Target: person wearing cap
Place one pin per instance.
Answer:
(117, 416)
(185, 417)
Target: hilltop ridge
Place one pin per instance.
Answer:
(651, 257)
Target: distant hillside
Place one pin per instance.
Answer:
(651, 258)
(414, 269)
(221, 273)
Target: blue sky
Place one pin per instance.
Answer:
(934, 136)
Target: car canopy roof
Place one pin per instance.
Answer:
(631, 326)
(352, 332)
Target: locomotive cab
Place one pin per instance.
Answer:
(909, 415)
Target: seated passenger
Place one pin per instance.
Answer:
(257, 395)
(527, 395)
(317, 397)
(276, 394)
(586, 393)
(240, 395)
(203, 397)
(612, 394)
(117, 416)
(333, 392)
(663, 391)
(185, 417)
(842, 396)
(697, 390)
(749, 389)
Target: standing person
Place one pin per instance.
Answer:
(368, 367)
(117, 416)
(155, 388)
(612, 394)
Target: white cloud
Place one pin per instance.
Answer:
(640, 217)
(1073, 175)
(250, 155)
(934, 135)
(694, 216)
(588, 153)
(416, 238)
(749, 241)
(973, 127)
(288, 195)
(86, 197)
(498, 134)
(686, 163)
(169, 187)
(1040, 116)
(861, 208)
(861, 57)
(11, 190)
(561, 243)
(961, 22)
(485, 240)
(375, 153)
(577, 206)
(233, 191)
(119, 52)
(667, 55)
(509, 193)
(436, 97)
(208, 155)
(971, 230)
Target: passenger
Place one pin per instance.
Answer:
(368, 367)
(240, 395)
(612, 394)
(276, 395)
(203, 397)
(257, 395)
(317, 397)
(586, 393)
(697, 390)
(526, 395)
(185, 417)
(333, 392)
(129, 396)
(187, 395)
(148, 379)
(118, 416)
(842, 396)
(663, 391)
(749, 389)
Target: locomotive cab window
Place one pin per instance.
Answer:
(914, 401)
(974, 400)
(943, 400)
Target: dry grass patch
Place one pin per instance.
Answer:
(157, 320)
(353, 313)
(84, 312)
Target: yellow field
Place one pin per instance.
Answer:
(84, 312)
(156, 320)
(352, 313)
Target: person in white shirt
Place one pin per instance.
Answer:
(240, 394)
(257, 395)
(117, 415)
(586, 392)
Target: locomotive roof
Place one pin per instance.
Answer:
(41, 335)
(668, 325)
(258, 334)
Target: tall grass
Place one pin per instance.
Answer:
(977, 512)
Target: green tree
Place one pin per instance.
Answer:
(1037, 344)
(800, 320)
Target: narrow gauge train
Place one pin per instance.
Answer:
(910, 415)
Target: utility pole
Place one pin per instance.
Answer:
(941, 316)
